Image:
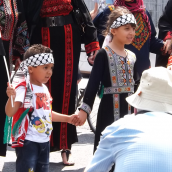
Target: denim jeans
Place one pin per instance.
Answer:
(33, 157)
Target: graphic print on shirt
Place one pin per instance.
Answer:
(42, 123)
(38, 124)
(42, 101)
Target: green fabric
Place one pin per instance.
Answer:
(101, 91)
(18, 123)
(7, 130)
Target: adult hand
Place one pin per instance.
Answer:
(17, 64)
(167, 46)
(82, 118)
(92, 56)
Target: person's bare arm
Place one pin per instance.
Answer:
(9, 110)
(57, 117)
(94, 12)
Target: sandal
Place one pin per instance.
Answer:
(68, 153)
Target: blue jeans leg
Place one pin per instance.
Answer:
(43, 160)
(33, 157)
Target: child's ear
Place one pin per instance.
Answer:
(30, 69)
(113, 31)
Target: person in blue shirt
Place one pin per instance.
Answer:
(141, 142)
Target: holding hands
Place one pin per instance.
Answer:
(79, 119)
(73, 119)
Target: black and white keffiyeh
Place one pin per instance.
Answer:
(22, 74)
(123, 20)
(39, 59)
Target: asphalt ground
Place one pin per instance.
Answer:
(81, 151)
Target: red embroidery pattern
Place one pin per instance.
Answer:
(67, 82)
(52, 8)
(92, 47)
(142, 32)
(46, 42)
(45, 36)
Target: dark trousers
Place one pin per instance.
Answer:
(33, 157)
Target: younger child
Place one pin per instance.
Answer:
(32, 114)
(113, 67)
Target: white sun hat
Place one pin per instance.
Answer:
(154, 92)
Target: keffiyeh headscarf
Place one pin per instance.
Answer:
(123, 20)
(135, 6)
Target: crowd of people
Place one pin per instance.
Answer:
(43, 42)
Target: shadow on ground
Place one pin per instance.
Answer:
(85, 138)
(9, 167)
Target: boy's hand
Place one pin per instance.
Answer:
(73, 119)
(10, 91)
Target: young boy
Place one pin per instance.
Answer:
(32, 115)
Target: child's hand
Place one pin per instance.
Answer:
(10, 91)
(73, 119)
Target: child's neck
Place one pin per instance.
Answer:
(118, 47)
(35, 82)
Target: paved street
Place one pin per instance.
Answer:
(82, 152)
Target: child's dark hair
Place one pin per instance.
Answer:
(36, 49)
(119, 11)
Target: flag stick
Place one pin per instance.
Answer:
(8, 75)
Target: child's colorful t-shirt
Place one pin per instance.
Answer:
(40, 125)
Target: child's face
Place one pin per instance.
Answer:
(124, 34)
(41, 74)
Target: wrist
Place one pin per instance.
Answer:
(67, 119)
(83, 112)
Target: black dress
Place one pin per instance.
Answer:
(165, 27)
(116, 74)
